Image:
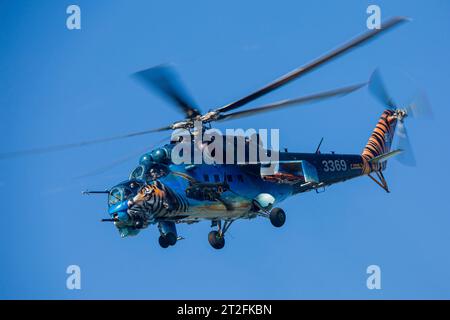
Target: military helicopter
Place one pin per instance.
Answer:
(164, 193)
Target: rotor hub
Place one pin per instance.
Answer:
(401, 114)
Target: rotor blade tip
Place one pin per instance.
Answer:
(405, 18)
(397, 19)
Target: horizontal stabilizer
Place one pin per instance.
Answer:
(385, 156)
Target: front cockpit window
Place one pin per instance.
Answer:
(127, 193)
(115, 196)
(123, 191)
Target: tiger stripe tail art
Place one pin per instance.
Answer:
(380, 141)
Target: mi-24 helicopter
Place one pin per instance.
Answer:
(164, 192)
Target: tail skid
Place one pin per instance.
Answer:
(380, 180)
(376, 163)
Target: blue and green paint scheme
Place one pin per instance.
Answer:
(236, 191)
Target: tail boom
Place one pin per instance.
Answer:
(379, 142)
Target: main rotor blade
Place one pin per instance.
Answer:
(122, 160)
(314, 64)
(288, 103)
(112, 165)
(61, 147)
(164, 79)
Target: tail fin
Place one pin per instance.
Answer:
(381, 139)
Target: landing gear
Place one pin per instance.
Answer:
(167, 240)
(217, 238)
(168, 234)
(163, 242)
(277, 217)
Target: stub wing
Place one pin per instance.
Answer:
(283, 172)
(314, 170)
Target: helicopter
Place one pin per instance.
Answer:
(163, 192)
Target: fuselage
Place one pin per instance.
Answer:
(159, 190)
(247, 181)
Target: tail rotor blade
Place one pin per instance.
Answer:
(407, 156)
(420, 107)
(379, 91)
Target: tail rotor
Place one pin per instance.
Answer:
(417, 107)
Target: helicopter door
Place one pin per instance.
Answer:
(284, 172)
(310, 172)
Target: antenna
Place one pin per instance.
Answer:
(318, 147)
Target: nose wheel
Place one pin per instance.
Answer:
(167, 240)
(216, 238)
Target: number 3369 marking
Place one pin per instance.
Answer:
(334, 165)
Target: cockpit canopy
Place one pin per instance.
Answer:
(152, 165)
(159, 155)
(123, 191)
(149, 172)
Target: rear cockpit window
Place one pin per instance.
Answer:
(137, 173)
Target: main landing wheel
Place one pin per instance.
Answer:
(216, 240)
(277, 217)
(167, 240)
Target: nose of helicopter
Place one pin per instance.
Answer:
(119, 210)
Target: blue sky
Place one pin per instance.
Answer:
(59, 86)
